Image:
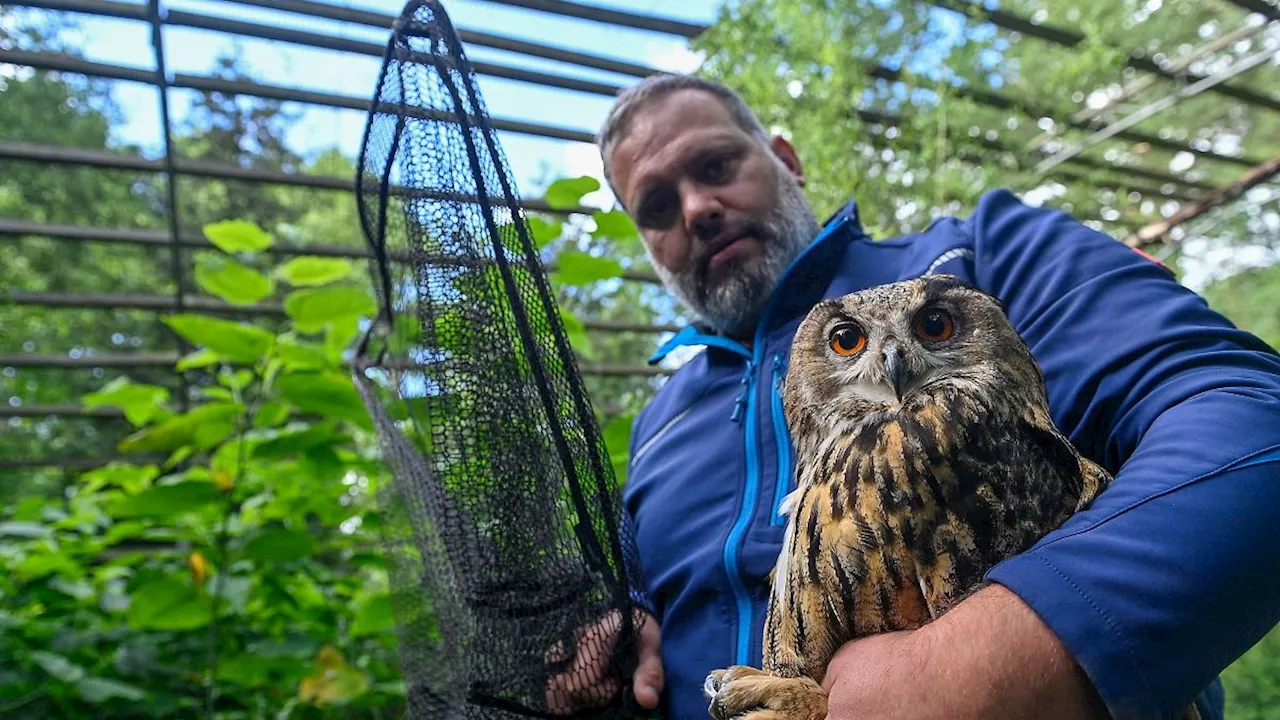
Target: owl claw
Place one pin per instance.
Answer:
(711, 686)
(746, 693)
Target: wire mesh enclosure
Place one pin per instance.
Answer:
(503, 522)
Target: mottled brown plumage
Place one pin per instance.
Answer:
(925, 454)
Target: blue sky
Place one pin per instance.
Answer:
(193, 51)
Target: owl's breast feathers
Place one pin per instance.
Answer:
(896, 520)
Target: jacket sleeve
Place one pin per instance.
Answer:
(1174, 571)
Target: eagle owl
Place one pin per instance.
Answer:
(925, 454)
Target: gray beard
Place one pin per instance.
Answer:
(734, 305)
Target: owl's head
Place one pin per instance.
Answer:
(902, 345)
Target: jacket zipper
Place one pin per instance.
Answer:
(783, 439)
(750, 492)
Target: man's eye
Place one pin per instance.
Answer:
(656, 211)
(715, 169)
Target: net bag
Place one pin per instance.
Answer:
(501, 518)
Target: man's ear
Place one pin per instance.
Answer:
(788, 156)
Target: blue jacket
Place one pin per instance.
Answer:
(1170, 575)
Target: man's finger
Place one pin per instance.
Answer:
(649, 678)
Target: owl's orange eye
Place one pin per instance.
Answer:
(848, 339)
(934, 325)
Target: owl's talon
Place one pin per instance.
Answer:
(747, 693)
(711, 685)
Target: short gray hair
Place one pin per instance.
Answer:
(655, 87)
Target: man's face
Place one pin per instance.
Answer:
(722, 215)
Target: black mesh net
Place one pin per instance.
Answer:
(502, 519)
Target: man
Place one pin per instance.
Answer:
(1132, 608)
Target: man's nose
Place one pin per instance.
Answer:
(703, 214)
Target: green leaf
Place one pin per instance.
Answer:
(374, 617)
(140, 403)
(25, 530)
(323, 465)
(237, 236)
(544, 232)
(312, 310)
(237, 284)
(270, 415)
(295, 441)
(311, 271)
(617, 440)
(167, 604)
(58, 666)
(334, 683)
(578, 268)
(78, 589)
(568, 192)
(617, 434)
(339, 335)
(230, 340)
(254, 670)
(234, 590)
(203, 427)
(167, 500)
(279, 545)
(615, 224)
(198, 359)
(127, 476)
(296, 354)
(328, 395)
(38, 565)
(100, 690)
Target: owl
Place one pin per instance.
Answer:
(925, 454)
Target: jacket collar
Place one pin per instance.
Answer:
(801, 285)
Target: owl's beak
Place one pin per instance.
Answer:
(893, 367)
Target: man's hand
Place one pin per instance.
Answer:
(586, 684)
(990, 656)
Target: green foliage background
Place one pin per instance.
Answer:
(227, 563)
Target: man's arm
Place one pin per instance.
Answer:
(1172, 572)
(990, 657)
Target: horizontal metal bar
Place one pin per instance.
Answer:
(1140, 172)
(301, 37)
(32, 152)
(65, 362)
(180, 18)
(471, 37)
(138, 301)
(159, 238)
(77, 463)
(107, 8)
(40, 411)
(1230, 90)
(167, 360)
(1153, 193)
(1065, 37)
(609, 16)
(66, 63)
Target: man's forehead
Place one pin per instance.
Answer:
(654, 133)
